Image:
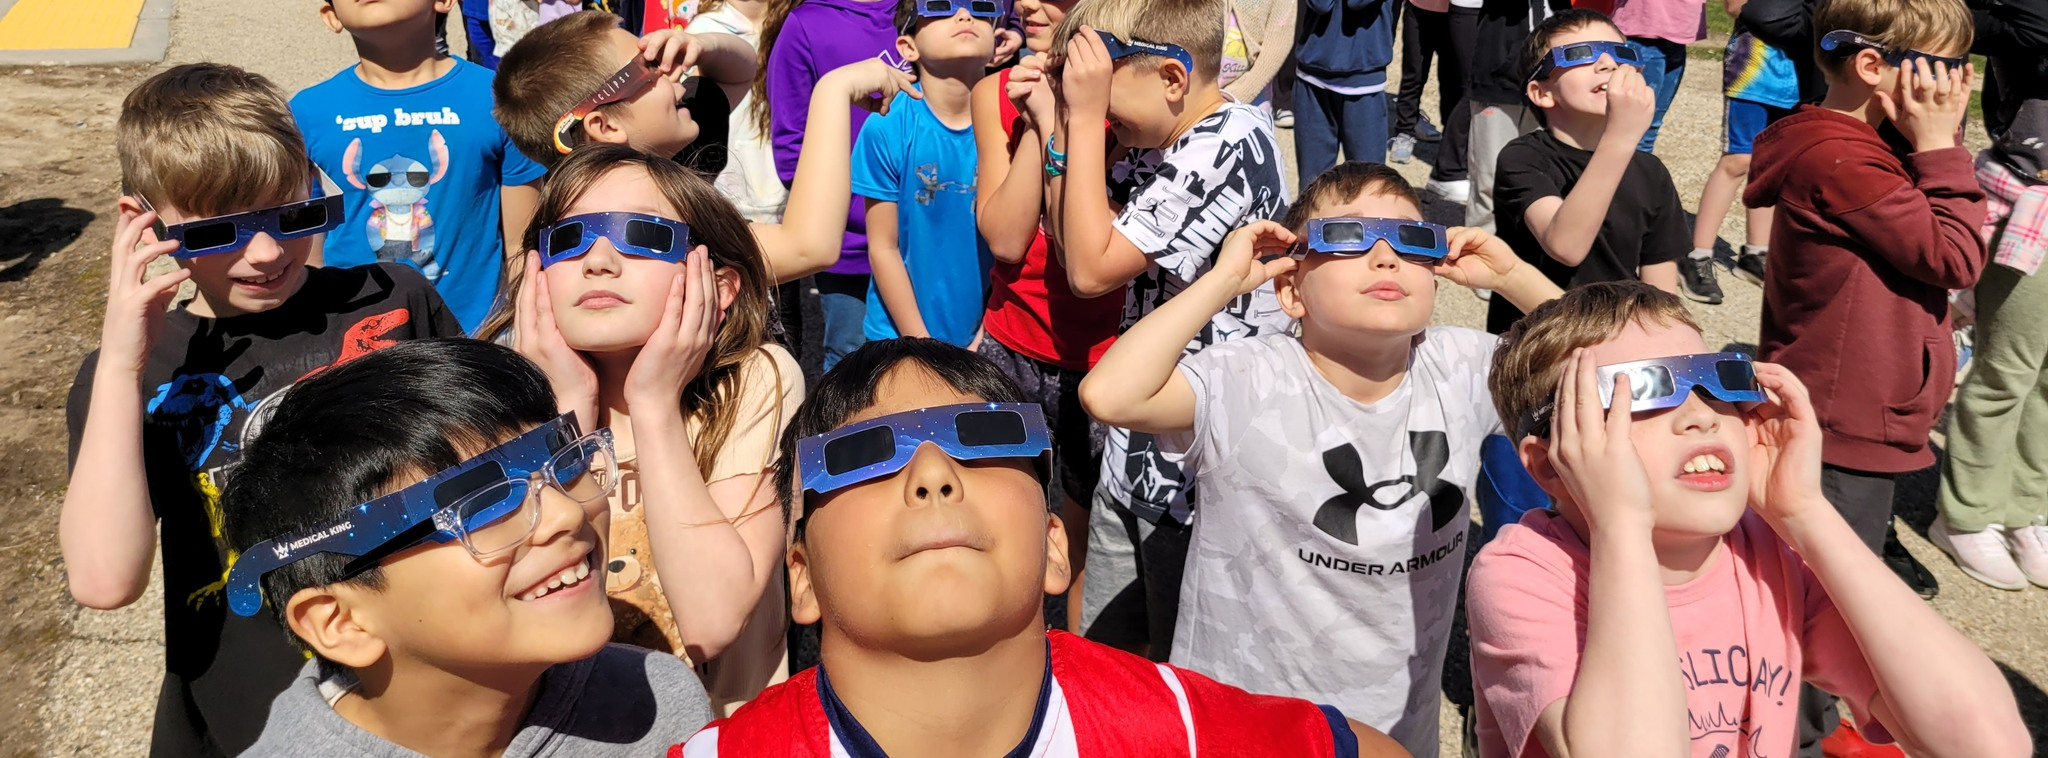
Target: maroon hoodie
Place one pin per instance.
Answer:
(1868, 240)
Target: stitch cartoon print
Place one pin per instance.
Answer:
(400, 228)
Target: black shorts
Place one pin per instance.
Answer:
(1076, 438)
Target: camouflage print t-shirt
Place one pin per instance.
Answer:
(1327, 552)
(1178, 204)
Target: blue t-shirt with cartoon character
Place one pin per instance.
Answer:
(909, 158)
(419, 170)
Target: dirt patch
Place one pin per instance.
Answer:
(58, 180)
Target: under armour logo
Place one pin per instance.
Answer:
(1338, 516)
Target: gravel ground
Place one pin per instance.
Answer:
(103, 696)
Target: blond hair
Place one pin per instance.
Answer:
(546, 73)
(1936, 26)
(209, 139)
(1196, 25)
(1531, 356)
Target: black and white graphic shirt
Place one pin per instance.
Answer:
(1330, 541)
(1178, 205)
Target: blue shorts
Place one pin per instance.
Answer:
(1746, 120)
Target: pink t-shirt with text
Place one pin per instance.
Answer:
(1749, 631)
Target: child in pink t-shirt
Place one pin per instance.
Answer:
(1666, 547)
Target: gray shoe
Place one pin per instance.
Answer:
(1283, 118)
(1401, 149)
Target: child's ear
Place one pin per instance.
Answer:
(1059, 573)
(332, 21)
(1535, 454)
(1176, 79)
(728, 287)
(803, 600)
(600, 126)
(906, 46)
(1287, 287)
(329, 619)
(1869, 67)
(1539, 95)
(444, 6)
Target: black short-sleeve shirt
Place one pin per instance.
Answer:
(1645, 221)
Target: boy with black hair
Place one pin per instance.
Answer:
(431, 181)
(416, 520)
(915, 168)
(925, 548)
(1577, 198)
(217, 178)
(1195, 166)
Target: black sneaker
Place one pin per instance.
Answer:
(1909, 568)
(1750, 266)
(1697, 280)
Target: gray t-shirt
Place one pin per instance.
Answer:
(624, 701)
(1330, 544)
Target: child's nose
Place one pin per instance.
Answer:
(262, 249)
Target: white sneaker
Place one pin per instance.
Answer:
(2030, 546)
(1983, 555)
(1459, 192)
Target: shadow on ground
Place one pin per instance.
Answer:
(32, 230)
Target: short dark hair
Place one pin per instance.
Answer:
(358, 431)
(1343, 182)
(1564, 22)
(849, 388)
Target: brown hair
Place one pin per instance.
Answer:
(773, 17)
(1531, 356)
(1343, 182)
(209, 139)
(713, 397)
(1196, 25)
(1929, 25)
(548, 72)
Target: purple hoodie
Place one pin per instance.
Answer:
(821, 35)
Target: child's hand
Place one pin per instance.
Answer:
(1008, 42)
(536, 336)
(1595, 457)
(1477, 259)
(1084, 77)
(1031, 91)
(1929, 103)
(1784, 475)
(1631, 105)
(676, 353)
(673, 50)
(135, 300)
(1238, 266)
(870, 84)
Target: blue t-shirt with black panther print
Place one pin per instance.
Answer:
(908, 157)
(419, 170)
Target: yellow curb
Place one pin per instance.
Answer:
(69, 24)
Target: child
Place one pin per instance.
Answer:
(1341, 52)
(566, 66)
(814, 37)
(749, 177)
(645, 300)
(1037, 330)
(1878, 217)
(432, 181)
(1761, 87)
(1650, 613)
(434, 559)
(1577, 198)
(1496, 97)
(1291, 587)
(924, 548)
(217, 178)
(1195, 166)
(915, 168)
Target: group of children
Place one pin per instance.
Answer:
(535, 474)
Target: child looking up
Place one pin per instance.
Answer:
(416, 520)
(1577, 198)
(1292, 587)
(914, 166)
(924, 549)
(431, 180)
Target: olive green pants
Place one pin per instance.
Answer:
(1997, 471)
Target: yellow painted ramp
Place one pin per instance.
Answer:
(69, 24)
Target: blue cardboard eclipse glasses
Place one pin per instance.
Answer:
(636, 234)
(878, 447)
(1660, 383)
(983, 9)
(226, 234)
(1839, 40)
(1119, 49)
(1415, 241)
(1585, 53)
(487, 502)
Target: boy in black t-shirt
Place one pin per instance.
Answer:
(217, 178)
(1577, 199)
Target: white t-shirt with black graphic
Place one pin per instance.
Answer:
(1178, 205)
(1330, 544)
